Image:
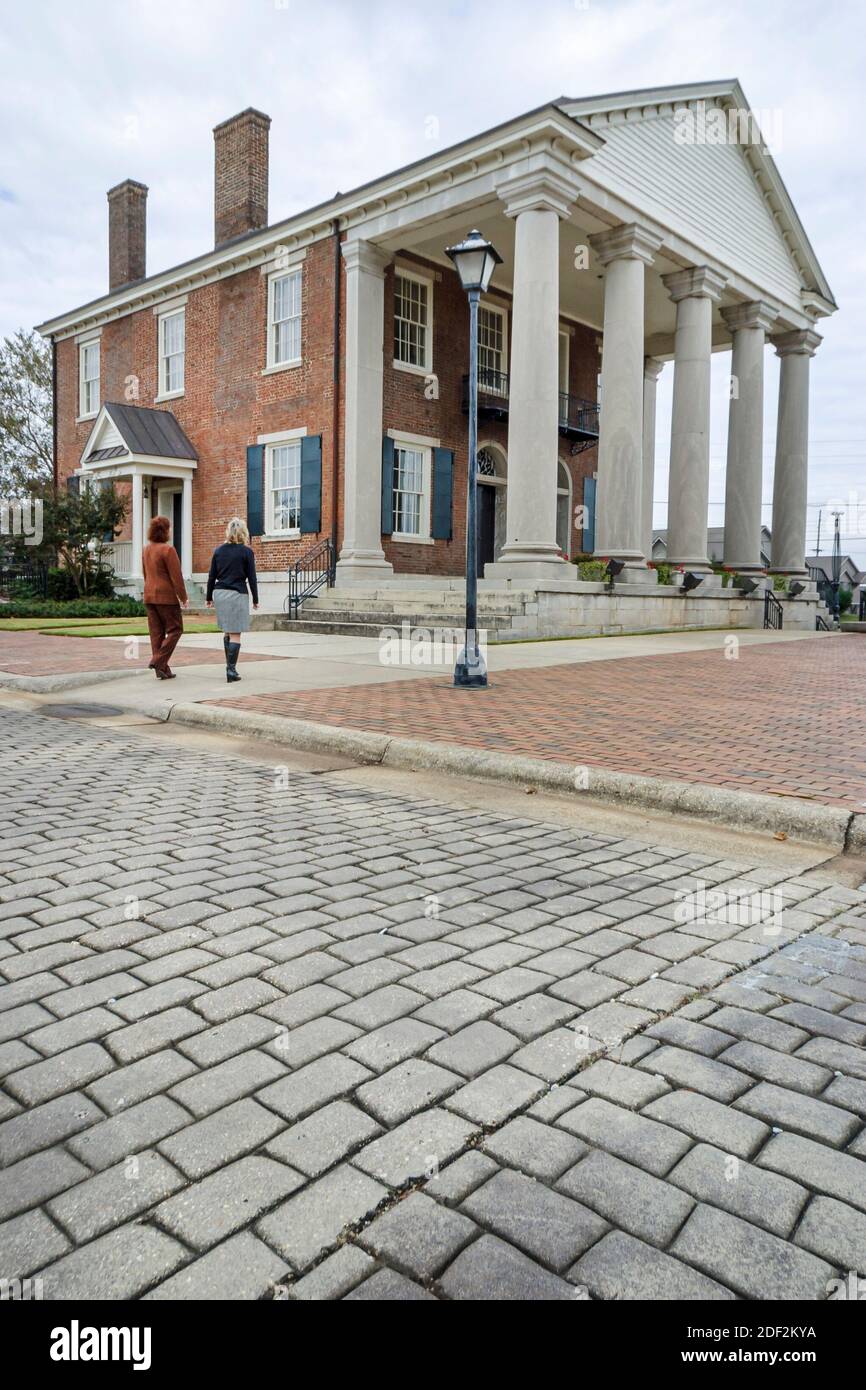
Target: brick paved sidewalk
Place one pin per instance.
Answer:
(291, 1037)
(35, 654)
(784, 718)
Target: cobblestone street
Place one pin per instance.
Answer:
(266, 1034)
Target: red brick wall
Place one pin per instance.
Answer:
(228, 402)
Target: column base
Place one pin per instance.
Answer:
(363, 567)
(529, 564)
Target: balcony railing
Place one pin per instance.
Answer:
(578, 418)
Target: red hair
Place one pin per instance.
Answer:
(159, 529)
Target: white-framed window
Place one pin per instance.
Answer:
(283, 488)
(88, 379)
(492, 350)
(412, 487)
(413, 322)
(284, 319)
(172, 352)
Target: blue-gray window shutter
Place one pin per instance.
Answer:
(589, 489)
(387, 486)
(73, 485)
(443, 494)
(256, 489)
(311, 484)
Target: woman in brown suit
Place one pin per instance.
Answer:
(164, 595)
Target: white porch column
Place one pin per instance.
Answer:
(652, 370)
(694, 291)
(186, 524)
(744, 476)
(620, 527)
(790, 482)
(137, 525)
(362, 559)
(537, 202)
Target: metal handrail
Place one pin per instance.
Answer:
(821, 624)
(774, 613)
(314, 571)
(863, 605)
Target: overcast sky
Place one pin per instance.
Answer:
(94, 92)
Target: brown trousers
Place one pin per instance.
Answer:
(165, 624)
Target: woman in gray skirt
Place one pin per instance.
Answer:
(232, 569)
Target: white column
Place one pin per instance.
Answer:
(362, 560)
(790, 482)
(186, 523)
(537, 202)
(137, 524)
(652, 370)
(620, 526)
(744, 476)
(694, 291)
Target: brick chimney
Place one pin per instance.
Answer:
(127, 233)
(240, 175)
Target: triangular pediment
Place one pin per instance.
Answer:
(698, 158)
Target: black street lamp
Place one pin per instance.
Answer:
(475, 261)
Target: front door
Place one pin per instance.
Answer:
(170, 504)
(486, 526)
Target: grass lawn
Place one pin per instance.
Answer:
(97, 627)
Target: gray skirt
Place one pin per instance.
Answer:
(232, 610)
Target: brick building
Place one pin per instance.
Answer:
(313, 368)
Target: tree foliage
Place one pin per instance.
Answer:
(25, 413)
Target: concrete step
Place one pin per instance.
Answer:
(347, 627)
(504, 605)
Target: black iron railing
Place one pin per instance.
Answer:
(821, 624)
(35, 576)
(578, 418)
(314, 571)
(863, 605)
(774, 614)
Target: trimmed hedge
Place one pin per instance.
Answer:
(75, 608)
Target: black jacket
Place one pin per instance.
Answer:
(232, 567)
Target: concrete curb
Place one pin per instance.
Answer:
(48, 685)
(796, 819)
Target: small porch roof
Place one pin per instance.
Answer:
(135, 438)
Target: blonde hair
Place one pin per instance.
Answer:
(236, 532)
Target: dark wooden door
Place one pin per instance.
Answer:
(177, 521)
(486, 526)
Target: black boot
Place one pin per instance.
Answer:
(226, 646)
(233, 651)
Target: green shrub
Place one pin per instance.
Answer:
(665, 572)
(593, 571)
(845, 597)
(780, 583)
(75, 608)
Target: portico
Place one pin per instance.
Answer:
(148, 451)
(650, 258)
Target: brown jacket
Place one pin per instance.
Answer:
(163, 578)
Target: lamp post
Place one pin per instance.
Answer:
(836, 568)
(475, 261)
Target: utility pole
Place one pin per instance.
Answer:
(818, 541)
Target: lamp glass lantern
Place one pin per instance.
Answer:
(475, 261)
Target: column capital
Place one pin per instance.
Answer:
(695, 282)
(542, 190)
(652, 368)
(364, 255)
(799, 340)
(756, 314)
(629, 242)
